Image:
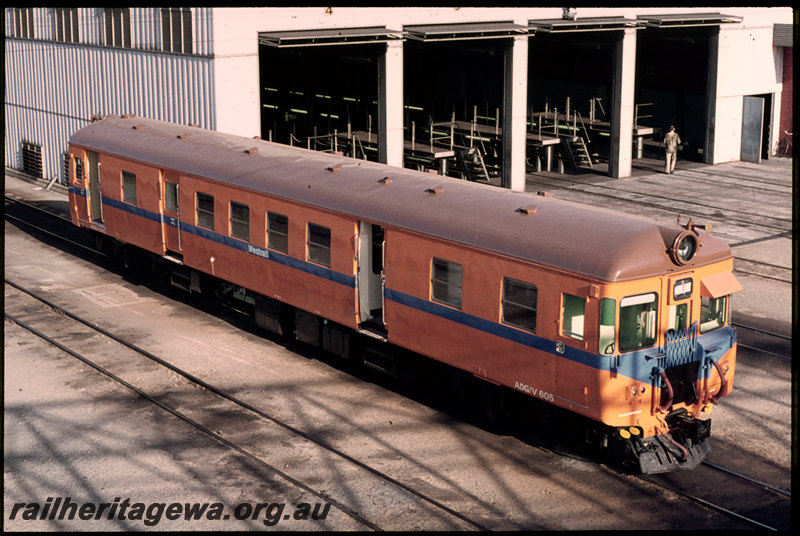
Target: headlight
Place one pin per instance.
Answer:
(683, 248)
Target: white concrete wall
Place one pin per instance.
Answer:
(748, 65)
(53, 87)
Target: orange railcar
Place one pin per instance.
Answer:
(616, 318)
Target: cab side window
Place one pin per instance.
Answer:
(573, 311)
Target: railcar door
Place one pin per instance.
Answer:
(95, 199)
(370, 274)
(170, 214)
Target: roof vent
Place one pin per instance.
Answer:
(435, 190)
(137, 127)
(385, 180)
(183, 136)
(334, 169)
(251, 150)
(528, 209)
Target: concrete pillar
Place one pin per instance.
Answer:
(622, 105)
(390, 105)
(711, 96)
(515, 105)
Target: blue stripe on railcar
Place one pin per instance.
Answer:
(635, 365)
(279, 258)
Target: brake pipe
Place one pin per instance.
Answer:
(670, 394)
(723, 382)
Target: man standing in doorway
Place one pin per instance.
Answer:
(671, 142)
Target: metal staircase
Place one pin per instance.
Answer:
(576, 151)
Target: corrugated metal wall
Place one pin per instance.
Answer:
(53, 88)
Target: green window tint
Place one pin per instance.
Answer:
(678, 317)
(638, 319)
(712, 313)
(608, 325)
(572, 314)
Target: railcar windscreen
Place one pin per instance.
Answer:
(712, 312)
(638, 317)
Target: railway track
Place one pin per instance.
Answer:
(55, 317)
(764, 341)
(722, 486)
(706, 502)
(649, 197)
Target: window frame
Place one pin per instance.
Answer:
(117, 27)
(176, 30)
(504, 299)
(637, 300)
(570, 333)
(724, 312)
(314, 248)
(66, 24)
(204, 211)
(243, 224)
(273, 234)
(129, 194)
(451, 299)
(171, 202)
(606, 343)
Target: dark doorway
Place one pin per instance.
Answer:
(316, 90)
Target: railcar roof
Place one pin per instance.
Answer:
(587, 240)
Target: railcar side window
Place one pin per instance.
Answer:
(278, 232)
(171, 196)
(712, 313)
(573, 311)
(446, 282)
(240, 221)
(519, 304)
(638, 316)
(78, 170)
(129, 187)
(205, 210)
(319, 244)
(608, 326)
